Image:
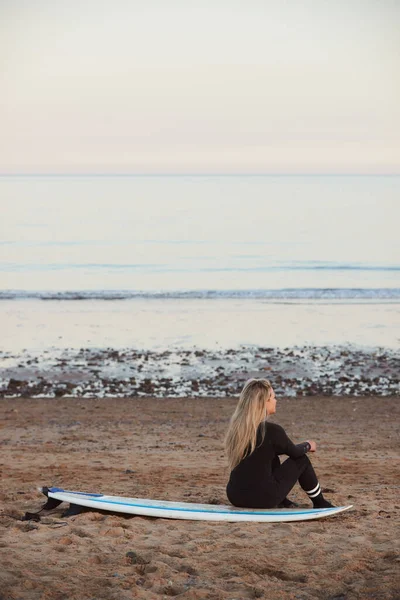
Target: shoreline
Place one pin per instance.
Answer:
(110, 373)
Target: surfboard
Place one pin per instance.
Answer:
(187, 510)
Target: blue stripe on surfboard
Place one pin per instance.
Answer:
(307, 511)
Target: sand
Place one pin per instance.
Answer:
(172, 449)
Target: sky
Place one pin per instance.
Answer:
(221, 86)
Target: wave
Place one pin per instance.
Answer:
(278, 294)
(157, 267)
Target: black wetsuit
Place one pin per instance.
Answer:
(260, 480)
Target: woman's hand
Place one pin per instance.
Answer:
(313, 445)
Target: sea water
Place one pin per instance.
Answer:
(160, 261)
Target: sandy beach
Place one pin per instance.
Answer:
(172, 449)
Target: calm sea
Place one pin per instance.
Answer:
(212, 244)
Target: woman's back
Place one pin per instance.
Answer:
(255, 470)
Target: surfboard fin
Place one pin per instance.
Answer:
(49, 505)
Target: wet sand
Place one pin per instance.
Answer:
(172, 449)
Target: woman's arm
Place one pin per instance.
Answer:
(283, 445)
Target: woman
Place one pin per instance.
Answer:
(258, 479)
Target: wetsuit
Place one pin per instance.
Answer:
(260, 480)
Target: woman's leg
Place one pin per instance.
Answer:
(285, 475)
(285, 503)
(300, 469)
(276, 463)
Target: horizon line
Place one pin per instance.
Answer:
(177, 174)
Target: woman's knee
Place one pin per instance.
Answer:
(302, 461)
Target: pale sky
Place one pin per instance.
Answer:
(178, 86)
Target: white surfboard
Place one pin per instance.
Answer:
(187, 510)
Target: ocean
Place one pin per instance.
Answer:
(199, 260)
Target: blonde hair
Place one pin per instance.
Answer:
(250, 411)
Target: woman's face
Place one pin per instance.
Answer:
(271, 403)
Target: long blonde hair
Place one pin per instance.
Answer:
(250, 411)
